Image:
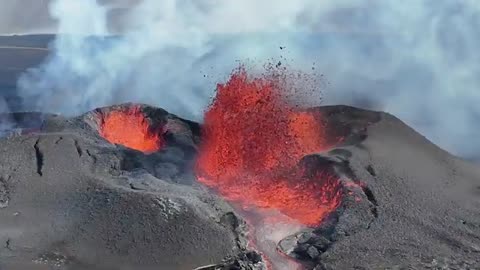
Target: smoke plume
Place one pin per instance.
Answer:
(416, 59)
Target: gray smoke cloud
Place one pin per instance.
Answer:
(416, 59)
(33, 16)
(25, 16)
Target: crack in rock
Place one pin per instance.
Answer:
(92, 156)
(8, 244)
(370, 197)
(79, 149)
(59, 140)
(39, 158)
(371, 170)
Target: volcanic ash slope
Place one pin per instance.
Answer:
(419, 206)
(70, 200)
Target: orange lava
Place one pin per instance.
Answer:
(253, 139)
(130, 128)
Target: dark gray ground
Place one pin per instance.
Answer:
(428, 203)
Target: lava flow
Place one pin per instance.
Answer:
(130, 128)
(253, 140)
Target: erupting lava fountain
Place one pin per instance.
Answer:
(253, 141)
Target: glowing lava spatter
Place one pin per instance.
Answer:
(253, 139)
(130, 128)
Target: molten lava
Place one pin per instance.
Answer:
(130, 128)
(252, 143)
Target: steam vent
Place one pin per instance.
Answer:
(259, 185)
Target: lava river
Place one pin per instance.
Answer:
(253, 140)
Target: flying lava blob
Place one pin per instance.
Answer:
(130, 128)
(253, 140)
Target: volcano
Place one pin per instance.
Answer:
(261, 184)
(71, 199)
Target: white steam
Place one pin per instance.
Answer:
(6, 122)
(415, 58)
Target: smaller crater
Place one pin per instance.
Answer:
(131, 128)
